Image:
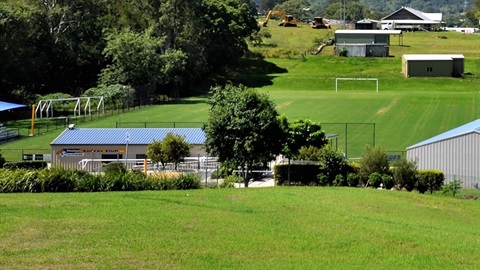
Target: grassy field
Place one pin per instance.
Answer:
(405, 111)
(269, 228)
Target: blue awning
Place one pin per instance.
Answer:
(5, 106)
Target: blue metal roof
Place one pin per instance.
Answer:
(471, 127)
(115, 136)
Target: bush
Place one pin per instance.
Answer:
(429, 180)
(25, 165)
(229, 181)
(387, 181)
(374, 160)
(305, 174)
(57, 180)
(352, 179)
(19, 181)
(375, 179)
(188, 181)
(404, 173)
(452, 188)
(340, 181)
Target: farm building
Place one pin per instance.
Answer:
(366, 24)
(88, 148)
(407, 18)
(364, 43)
(455, 152)
(433, 65)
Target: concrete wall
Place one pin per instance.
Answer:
(458, 158)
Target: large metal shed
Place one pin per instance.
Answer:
(433, 65)
(455, 152)
(367, 36)
(92, 145)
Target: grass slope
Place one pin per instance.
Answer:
(270, 228)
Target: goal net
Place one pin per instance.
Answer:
(337, 80)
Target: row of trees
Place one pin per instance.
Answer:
(69, 46)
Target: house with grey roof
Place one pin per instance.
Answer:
(88, 148)
(407, 18)
(456, 152)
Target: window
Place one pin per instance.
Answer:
(429, 69)
(141, 156)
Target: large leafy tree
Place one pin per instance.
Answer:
(243, 127)
(303, 133)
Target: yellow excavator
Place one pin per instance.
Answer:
(287, 20)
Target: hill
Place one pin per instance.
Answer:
(267, 228)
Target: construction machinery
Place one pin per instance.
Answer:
(320, 23)
(287, 20)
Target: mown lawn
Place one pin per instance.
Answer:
(268, 228)
(404, 112)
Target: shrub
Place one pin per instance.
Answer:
(375, 179)
(404, 173)
(305, 174)
(25, 165)
(229, 181)
(188, 181)
(429, 180)
(374, 159)
(57, 179)
(352, 179)
(19, 181)
(387, 181)
(452, 188)
(340, 181)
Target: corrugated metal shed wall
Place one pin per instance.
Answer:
(458, 158)
(363, 50)
(439, 68)
(346, 38)
(355, 50)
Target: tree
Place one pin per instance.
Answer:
(172, 149)
(243, 127)
(303, 133)
(114, 95)
(374, 160)
(175, 148)
(155, 153)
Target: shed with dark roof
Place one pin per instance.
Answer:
(455, 152)
(76, 144)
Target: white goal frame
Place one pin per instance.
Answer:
(355, 79)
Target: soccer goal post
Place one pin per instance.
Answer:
(356, 79)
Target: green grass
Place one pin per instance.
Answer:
(269, 228)
(405, 111)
